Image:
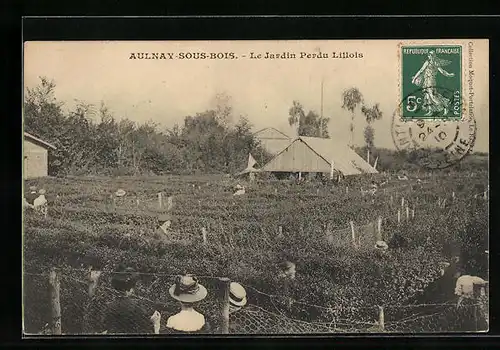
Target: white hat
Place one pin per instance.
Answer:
(237, 294)
(187, 289)
(120, 193)
(381, 245)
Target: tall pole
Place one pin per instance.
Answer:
(321, 117)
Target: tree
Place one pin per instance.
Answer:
(313, 125)
(296, 113)
(351, 99)
(371, 114)
(223, 108)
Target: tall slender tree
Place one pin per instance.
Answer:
(351, 99)
(371, 114)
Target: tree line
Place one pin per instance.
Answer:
(91, 140)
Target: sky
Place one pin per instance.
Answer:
(167, 90)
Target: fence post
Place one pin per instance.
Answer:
(379, 228)
(204, 235)
(226, 285)
(54, 285)
(92, 277)
(381, 321)
(159, 200)
(170, 203)
(353, 234)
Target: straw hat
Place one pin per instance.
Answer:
(381, 245)
(120, 193)
(32, 188)
(237, 294)
(187, 289)
(42, 191)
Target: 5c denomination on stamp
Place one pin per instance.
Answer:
(427, 71)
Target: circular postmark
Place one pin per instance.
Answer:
(434, 141)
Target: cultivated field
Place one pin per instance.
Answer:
(338, 287)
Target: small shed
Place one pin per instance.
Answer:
(36, 156)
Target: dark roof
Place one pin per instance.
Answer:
(40, 141)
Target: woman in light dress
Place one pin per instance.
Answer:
(426, 78)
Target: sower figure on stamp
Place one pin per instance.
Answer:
(426, 78)
(187, 291)
(124, 315)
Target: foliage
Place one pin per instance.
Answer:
(207, 142)
(351, 99)
(310, 124)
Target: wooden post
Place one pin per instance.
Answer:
(381, 321)
(280, 231)
(170, 203)
(226, 285)
(275, 191)
(407, 213)
(353, 234)
(453, 196)
(368, 156)
(204, 235)
(439, 201)
(391, 201)
(402, 202)
(92, 278)
(347, 190)
(399, 216)
(379, 228)
(54, 285)
(317, 191)
(444, 203)
(300, 175)
(485, 196)
(159, 200)
(137, 202)
(413, 213)
(331, 170)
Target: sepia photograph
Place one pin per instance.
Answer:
(255, 187)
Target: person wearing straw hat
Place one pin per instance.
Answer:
(125, 315)
(237, 297)
(187, 291)
(162, 232)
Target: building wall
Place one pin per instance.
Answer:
(298, 157)
(35, 160)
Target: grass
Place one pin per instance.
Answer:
(243, 244)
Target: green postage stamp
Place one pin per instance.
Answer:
(431, 82)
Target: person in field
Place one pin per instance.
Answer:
(30, 197)
(125, 315)
(162, 232)
(187, 291)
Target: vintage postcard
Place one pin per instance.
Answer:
(255, 187)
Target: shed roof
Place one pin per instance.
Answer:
(272, 133)
(40, 141)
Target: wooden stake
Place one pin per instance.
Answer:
(399, 216)
(402, 202)
(347, 190)
(381, 321)
(453, 196)
(275, 191)
(413, 213)
(391, 201)
(54, 285)
(407, 213)
(280, 231)
(485, 196)
(379, 228)
(226, 284)
(137, 202)
(170, 203)
(353, 234)
(159, 200)
(204, 235)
